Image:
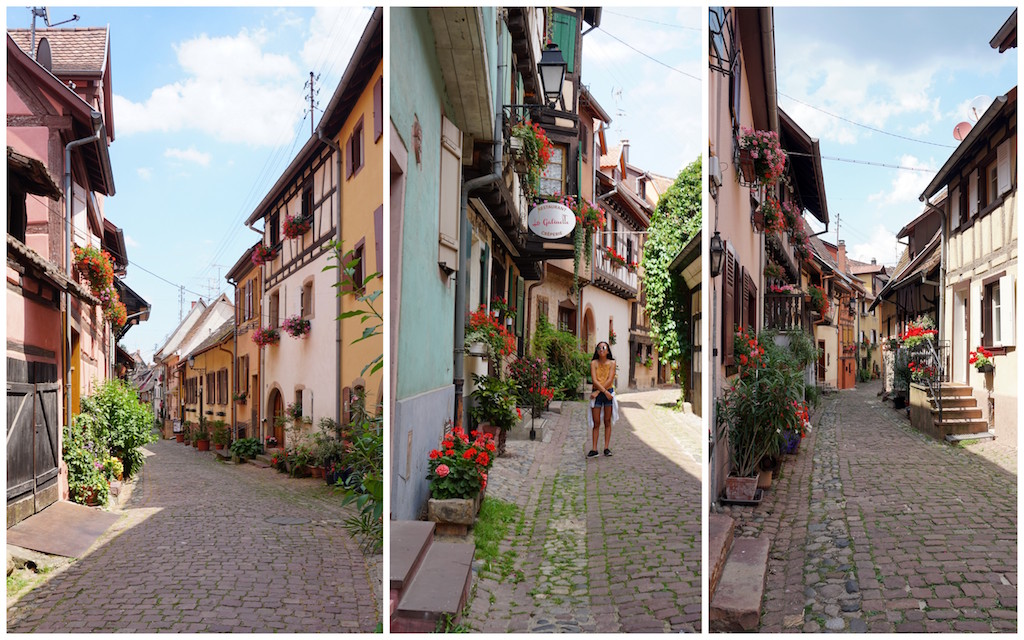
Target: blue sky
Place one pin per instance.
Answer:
(208, 110)
(637, 91)
(906, 71)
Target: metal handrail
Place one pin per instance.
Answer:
(929, 353)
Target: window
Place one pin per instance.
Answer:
(274, 223)
(354, 150)
(972, 193)
(991, 184)
(955, 207)
(542, 309)
(360, 271)
(211, 386)
(275, 308)
(567, 319)
(552, 180)
(378, 108)
(222, 386)
(248, 310)
(586, 141)
(306, 301)
(298, 399)
(485, 256)
(642, 188)
(307, 203)
(17, 213)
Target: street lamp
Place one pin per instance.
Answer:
(552, 73)
(717, 254)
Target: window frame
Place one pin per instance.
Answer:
(355, 153)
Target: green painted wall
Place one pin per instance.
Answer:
(425, 340)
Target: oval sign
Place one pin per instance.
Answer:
(551, 220)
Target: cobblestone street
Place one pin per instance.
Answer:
(879, 528)
(605, 544)
(195, 551)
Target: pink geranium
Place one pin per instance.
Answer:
(442, 470)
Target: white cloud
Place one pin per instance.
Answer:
(333, 33)
(231, 90)
(906, 186)
(189, 155)
(146, 173)
(130, 241)
(882, 247)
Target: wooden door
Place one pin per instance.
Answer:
(821, 361)
(33, 440)
(277, 411)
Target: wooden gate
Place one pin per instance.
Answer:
(33, 442)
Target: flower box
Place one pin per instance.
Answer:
(737, 488)
(453, 516)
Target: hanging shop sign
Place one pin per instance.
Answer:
(551, 220)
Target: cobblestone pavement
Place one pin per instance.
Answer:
(879, 528)
(603, 544)
(194, 552)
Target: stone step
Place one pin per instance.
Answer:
(410, 540)
(955, 390)
(957, 413)
(736, 604)
(439, 588)
(962, 437)
(956, 401)
(962, 426)
(720, 527)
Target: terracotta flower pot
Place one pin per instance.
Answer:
(203, 445)
(179, 437)
(737, 488)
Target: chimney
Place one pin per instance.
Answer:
(625, 151)
(842, 257)
(873, 261)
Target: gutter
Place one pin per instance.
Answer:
(97, 121)
(768, 53)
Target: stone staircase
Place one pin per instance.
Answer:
(738, 571)
(429, 580)
(961, 418)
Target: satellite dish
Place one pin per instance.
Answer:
(43, 55)
(977, 107)
(961, 130)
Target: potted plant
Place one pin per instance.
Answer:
(901, 379)
(179, 436)
(202, 438)
(458, 477)
(245, 448)
(221, 435)
(301, 461)
(532, 150)
(921, 330)
(982, 360)
(296, 326)
(271, 442)
(818, 299)
(762, 152)
(295, 226)
(485, 328)
(494, 407)
(262, 254)
(264, 336)
(240, 397)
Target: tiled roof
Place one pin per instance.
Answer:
(74, 51)
(613, 156)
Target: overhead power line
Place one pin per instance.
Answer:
(159, 277)
(664, 24)
(868, 162)
(649, 57)
(864, 126)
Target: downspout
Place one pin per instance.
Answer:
(529, 300)
(234, 375)
(97, 123)
(462, 278)
(337, 347)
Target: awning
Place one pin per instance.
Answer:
(32, 175)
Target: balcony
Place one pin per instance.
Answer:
(614, 278)
(786, 312)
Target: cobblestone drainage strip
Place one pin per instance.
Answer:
(287, 520)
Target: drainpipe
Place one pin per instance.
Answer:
(529, 300)
(337, 347)
(97, 123)
(234, 374)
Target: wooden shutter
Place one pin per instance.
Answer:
(728, 326)
(972, 193)
(1007, 301)
(520, 305)
(378, 108)
(378, 237)
(1003, 168)
(451, 184)
(954, 207)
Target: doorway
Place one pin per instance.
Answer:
(276, 406)
(960, 339)
(821, 362)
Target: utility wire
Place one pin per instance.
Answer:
(649, 57)
(869, 128)
(868, 162)
(159, 277)
(665, 24)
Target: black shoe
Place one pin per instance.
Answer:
(607, 453)
(592, 454)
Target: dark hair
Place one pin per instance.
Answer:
(596, 347)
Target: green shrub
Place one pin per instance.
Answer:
(82, 455)
(568, 365)
(118, 421)
(246, 447)
(812, 395)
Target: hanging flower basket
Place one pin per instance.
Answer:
(771, 211)
(534, 154)
(262, 254)
(295, 226)
(982, 360)
(766, 153)
(746, 166)
(262, 337)
(613, 257)
(296, 326)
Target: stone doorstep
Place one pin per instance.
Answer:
(962, 437)
(736, 604)
(440, 586)
(410, 541)
(720, 528)
(522, 431)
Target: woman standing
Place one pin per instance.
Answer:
(602, 399)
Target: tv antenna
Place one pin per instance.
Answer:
(44, 13)
(620, 113)
(314, 91)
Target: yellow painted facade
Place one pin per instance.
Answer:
(208, 382)
(362, 207)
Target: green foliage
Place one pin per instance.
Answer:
(491, 527)
(676, 219)
(863, 375)
(364, 487)
(368, 314)
(812, 395)
(117, 420)
(246, 447)
(221, 435)
(567, 364)
(84, 457)
(494, 401)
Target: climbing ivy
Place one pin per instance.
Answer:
(676, 219)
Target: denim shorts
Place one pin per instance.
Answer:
(602, 400)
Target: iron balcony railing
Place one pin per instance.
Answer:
(786, 312)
